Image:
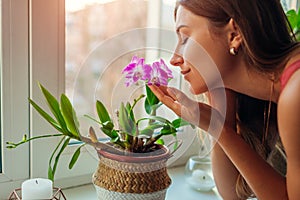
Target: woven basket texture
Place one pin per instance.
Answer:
(147, 178)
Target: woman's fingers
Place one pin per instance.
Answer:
(178, 102)
(166, 98)
(197, 113)
(180, 97)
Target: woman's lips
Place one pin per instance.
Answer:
(184, 72)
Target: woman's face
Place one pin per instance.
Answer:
(198, 54)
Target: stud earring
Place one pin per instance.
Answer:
(232, 51)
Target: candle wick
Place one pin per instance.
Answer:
(36, 181)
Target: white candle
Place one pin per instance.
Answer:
(37, 188)
(200, 180)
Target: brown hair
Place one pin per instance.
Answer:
(267, 45)
(251, 125)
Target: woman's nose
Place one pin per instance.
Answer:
(176, 60)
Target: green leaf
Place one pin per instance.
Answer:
(150, 101)
(147, 107)
(65, 144)
(125, 121)
(160, 119)
(130, 111)
(151, 96)
(69, 116)
(108, 125)
(294, 20)
(75, 157)
(102, 112)
(50, 174)
(292, 17)
(160, 141)
(180, 122)
(54, 107)
(115, 140)
(168, 130)
(150, 129)
(46, 116)
(109, 132)
(52, 170)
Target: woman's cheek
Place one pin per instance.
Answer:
(198, 85)
(205, 71)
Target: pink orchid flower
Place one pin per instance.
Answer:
(137, 70)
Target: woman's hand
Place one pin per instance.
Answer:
(176, 101)
(197, 113)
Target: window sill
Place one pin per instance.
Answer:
(178, 189)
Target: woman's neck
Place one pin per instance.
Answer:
(252, 83)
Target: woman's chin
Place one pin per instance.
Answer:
(198, 90)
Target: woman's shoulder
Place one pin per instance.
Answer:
(291, 69)
(290, 84)
(288, 110)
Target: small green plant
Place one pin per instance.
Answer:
(126, 134)
(294, 20)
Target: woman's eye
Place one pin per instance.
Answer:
(184, 40)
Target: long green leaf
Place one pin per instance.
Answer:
(102, 112)
(150, 129)
(69, 116)
(168, 130)
(51, 172)
(156, 118)
(46, 116)
(180, 122)
(65, 144)
(54, 107)
(75, 157)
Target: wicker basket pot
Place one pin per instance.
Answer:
(132, 176)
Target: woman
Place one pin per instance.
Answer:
(257, 58)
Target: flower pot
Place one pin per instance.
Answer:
(132, 176)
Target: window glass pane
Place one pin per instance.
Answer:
(101, 38)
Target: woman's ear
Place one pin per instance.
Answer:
(233, 34)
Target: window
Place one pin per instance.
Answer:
(292, 4)
(289, 4)
(88, 30)
(98, 46)
(101, 38)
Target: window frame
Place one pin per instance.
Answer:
(48, 68)
(14, 89)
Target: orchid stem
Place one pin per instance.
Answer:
(14, 145)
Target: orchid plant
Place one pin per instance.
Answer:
(127, 134)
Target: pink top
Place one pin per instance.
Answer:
(288, 72)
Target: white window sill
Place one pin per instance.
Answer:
(179, 189)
